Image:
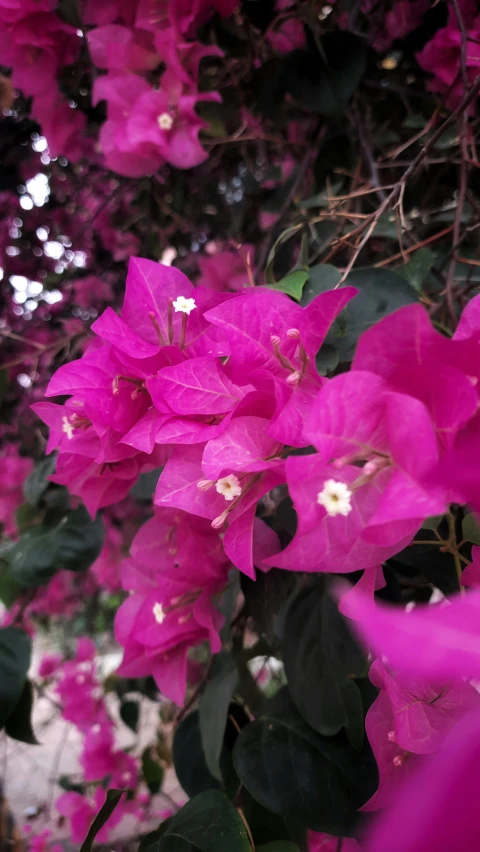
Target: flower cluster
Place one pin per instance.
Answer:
(171, 606)
(37, 44)
(78, 687)
(149, 125)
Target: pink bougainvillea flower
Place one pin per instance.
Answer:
(393, 762)
(198, 386)
(437, 808)
(15, 469)
(170, 607)
(437, 642)
(471, 574)
(106, 567)
(98, 485)
(274, 339)
(319, 842)
(148, 309)
(442, 55)
(226, 270)
(166, 119)
(330, 539)
(118, 48)
(423, 712)
(49, 664)
(404, 349)
(81, 811)
(224, 481)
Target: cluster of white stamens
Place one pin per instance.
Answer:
(165, 121)
(184, 305)
(159, 613)
(67, 427)
(335, 497)
(229, 486)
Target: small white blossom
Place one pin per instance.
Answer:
(165, 121)
(184, 305)
(159, 613)
(335, 498)
(67, 427)
(229, 486)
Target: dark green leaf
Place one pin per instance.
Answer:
(37, 483)
(25, 516)
(32, 558)
(189, 757)
(79, 540)
(153, 772)
(278, 846)
(213, 709)
(144, 488)
(294, 771)
(74, 544)
(324, 82)
(19, 724)
(208, 823)
(9, 588)
(265, 596)
(4, 380)
(321, 278)
(70, 787)
(267, 827)
(15, 651)
(320, 656)
(417, 268)
(129, 713)
(471, 528)
(380, 292)
(292, 284)
(113, 798)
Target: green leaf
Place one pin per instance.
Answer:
(323, 82)
(37, 483)
(15, 651)
(9, 589)
(130, 713)
(286, 235)
(144, 488)
(73, 544)
(321, 278)
(189, 757)
(278, 846)
(153, 772)
(297, 773)
(19, 724)
(432, 523)
(208, 823)
(79, 540)
(417, 268)
(265, 596)
(321, 656)
(213, 709)
(32, 558)
(4, 382)
(292, 284)
(471, 528)
(25, 516)
(107, 809)
(380, 292)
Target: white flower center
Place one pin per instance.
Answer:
(184, 305)
(67, 427)
(159, 613)
(165, 121)
(335, 498)
(229, 486)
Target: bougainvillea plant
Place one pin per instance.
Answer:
(240, 427)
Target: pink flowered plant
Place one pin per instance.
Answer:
(15, 469)
(170, 608)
